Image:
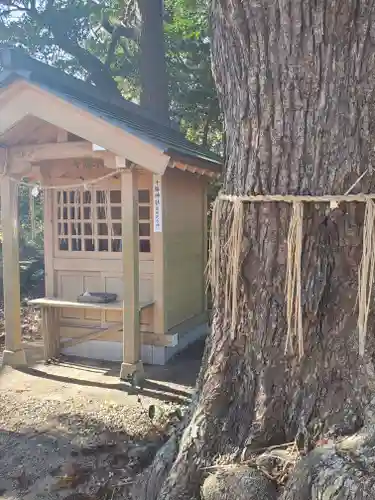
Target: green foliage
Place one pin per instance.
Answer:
(31, 241)
(31, 224)
(99, 42)
(193, 96)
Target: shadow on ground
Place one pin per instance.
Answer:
(63, 459)
(170, 383)
(74, 431)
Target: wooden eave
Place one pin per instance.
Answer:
(21, 99)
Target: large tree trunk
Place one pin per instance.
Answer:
(295, 79)
(152, 63)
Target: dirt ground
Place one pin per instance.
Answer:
(73, 431)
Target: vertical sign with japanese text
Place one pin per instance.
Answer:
(158, 211)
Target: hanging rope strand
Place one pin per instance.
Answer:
(235, 257)
(294, 280)
(214, 256)
(366, 274)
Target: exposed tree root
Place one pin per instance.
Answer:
(344, 471)
(152, 480)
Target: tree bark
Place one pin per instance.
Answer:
(152, 63)
(295, 79)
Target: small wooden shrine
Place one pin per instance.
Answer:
(125, 212)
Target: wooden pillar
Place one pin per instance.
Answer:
(13, 354)
(49, 275)
(160, 320)
(51, 332)
(130, 264)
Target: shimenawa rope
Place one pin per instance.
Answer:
(231, 248)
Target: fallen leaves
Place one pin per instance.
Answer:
(30, 324)
(72, 474)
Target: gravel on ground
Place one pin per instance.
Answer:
(71, 433)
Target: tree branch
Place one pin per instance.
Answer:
(206, 128)
(98, 72)
(120, 30)
(13, 7)
(111, 49)
(50, 5)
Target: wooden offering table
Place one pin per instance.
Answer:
(51, 326)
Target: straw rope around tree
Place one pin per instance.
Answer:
(226, 243)
(230, 251)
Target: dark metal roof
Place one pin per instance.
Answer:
(117, 111)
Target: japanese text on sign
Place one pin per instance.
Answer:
(157, 195)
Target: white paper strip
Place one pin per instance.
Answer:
(157, 198)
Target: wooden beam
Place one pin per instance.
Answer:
(92, 334)
(120, 162)
(111, 332)
(14, 354)
(62, 135)
(22, 156)
(180, 166)
(14, 103)
(132, 363)
(21, 169)
(195, 170)
(3, 160)
(51, 151)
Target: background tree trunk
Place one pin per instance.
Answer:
(295, 79)
(152, 62)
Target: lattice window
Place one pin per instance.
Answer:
(90, 221)
(144, 215)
